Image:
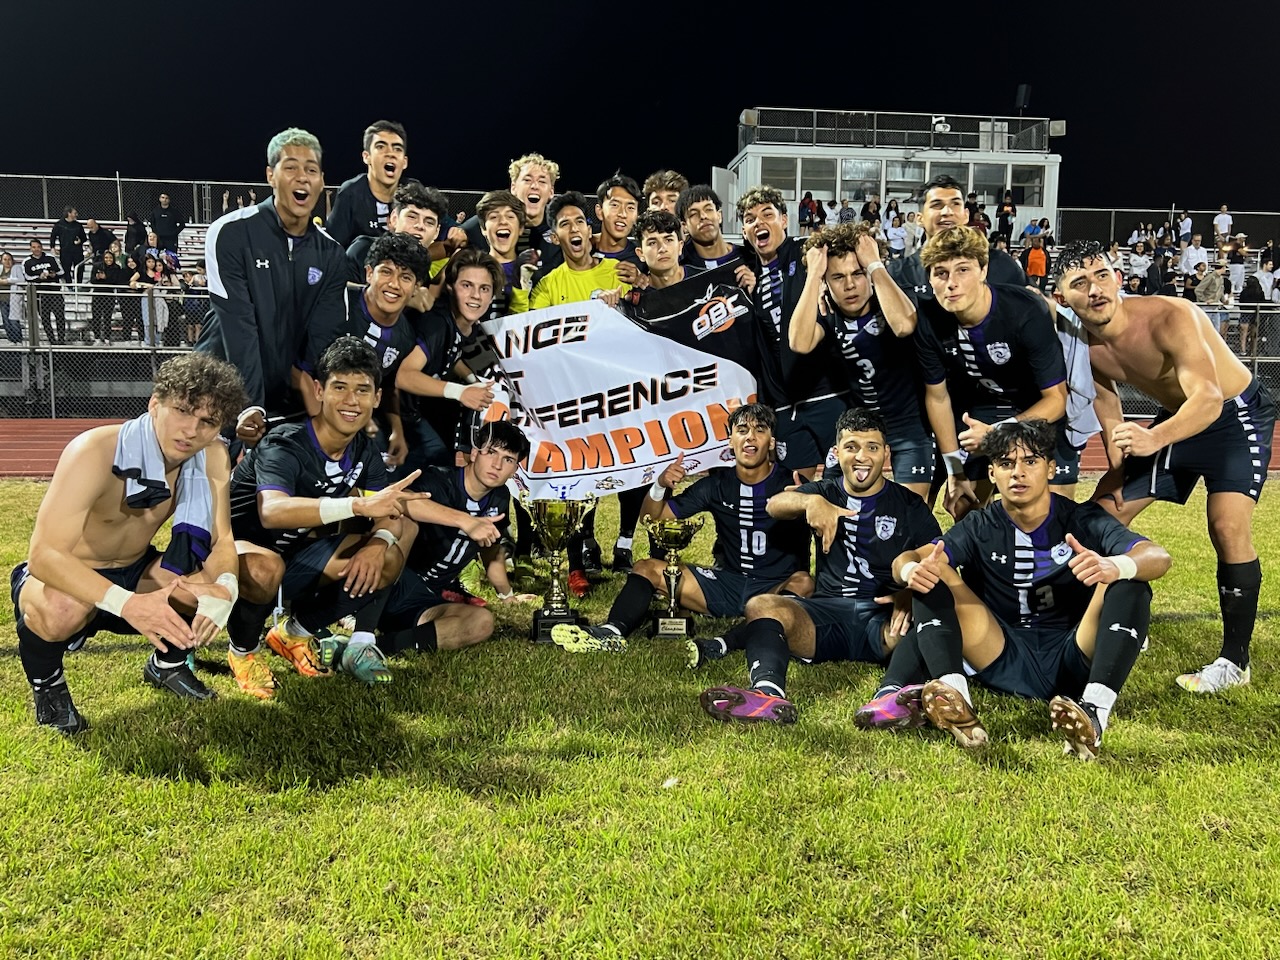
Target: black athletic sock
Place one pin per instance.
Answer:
(1122, 626)
(630, 503)
(735, 638)
(632, 604)
(421, 638)
(1238, 587)
(41, 660)
(244, 626)
(937, 628)
(367, 617)
(328, 605)
(906, 665)
(167, 657)
(525, 538)
(767, 655)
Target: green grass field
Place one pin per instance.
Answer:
(516, 801)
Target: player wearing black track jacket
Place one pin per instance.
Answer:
(699, 210)
(276, 283)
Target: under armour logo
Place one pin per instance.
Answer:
(1115, 627)
(1062, 470)
(1231, 591)
(927, 623)
(1000, 557)
(919, 469)
(262, 263)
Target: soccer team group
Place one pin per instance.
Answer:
(289, 516)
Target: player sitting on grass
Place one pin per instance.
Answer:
(466, 514)
(754, 553)
(287, 497)
(93, 566)
(862, 522)
(1052, 602)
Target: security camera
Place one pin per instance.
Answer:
(940, 125)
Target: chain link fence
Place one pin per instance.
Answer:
(1104, 224)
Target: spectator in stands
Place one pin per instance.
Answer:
(1192, 255)
(1165, 231)
(1115, 257)
(1140, 263)
(1210, 292)
(847, 214)
(364, 202)
(1046, 232)
(100, 238)
(167, 225)
(890, 211)
(46, 272)
(915, 234)
(226, 200)
(896, 234)
(1035, 263)
(130, 304)
(67, 239)
(1184, 229)
(982, 223)
(1266, 276)
(805, 209)
(1005, 215)
(1236, 253)
(871, 209)
(143, 281)
(11, 283)
(135, 234)
(107, 278)
(1133, 287)
(971, 204)
(195, 299)
(1222, 226)
(1136, 234)
(1032, 229)
(1190, 281)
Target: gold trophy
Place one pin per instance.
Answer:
(673, 535)
(554, 522)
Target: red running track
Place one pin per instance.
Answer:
(30, 448)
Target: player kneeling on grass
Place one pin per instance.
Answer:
(466, 515)
(862, 522)
(754, 552)
(93, 566)
(1052, 602)
(287, 497)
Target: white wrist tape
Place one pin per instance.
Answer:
(333, 509)
(386, 536)
(1128, 569)
(219, 611)
(114, 599)
(954, 462)
(508, 595)
(453, 391)
(873, 266)
(907, 569)
(658, 492)
(248, 412)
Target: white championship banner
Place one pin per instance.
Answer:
(607, 405)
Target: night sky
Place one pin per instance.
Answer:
(176, 91)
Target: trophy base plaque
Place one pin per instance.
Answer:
(667, 627)
(546, 618)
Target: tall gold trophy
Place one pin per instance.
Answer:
(554, 522)
(673, 535)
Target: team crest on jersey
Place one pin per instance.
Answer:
(1061, 553)
(874, 327)
(780, 448)
(791, 270)
(313, 275)
(999, 352)
(706, 572)
(885, 527)
(389, 357)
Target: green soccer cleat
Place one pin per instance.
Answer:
(364, 661)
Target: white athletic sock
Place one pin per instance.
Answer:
(294, 628)
(1102, 699)
(960, 683)
(766, 686)
(624, 543)
(363, 636)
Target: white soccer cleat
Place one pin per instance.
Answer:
(1215, 677)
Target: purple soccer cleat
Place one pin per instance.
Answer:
(896, 710)
(747, 706)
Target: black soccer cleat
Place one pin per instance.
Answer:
(54, 708)
(177, 680)
(621, 559)
(699, 652)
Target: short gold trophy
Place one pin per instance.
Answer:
(673, 535)
(554, 522)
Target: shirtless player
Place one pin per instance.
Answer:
(1216, 422)
(93, 566)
